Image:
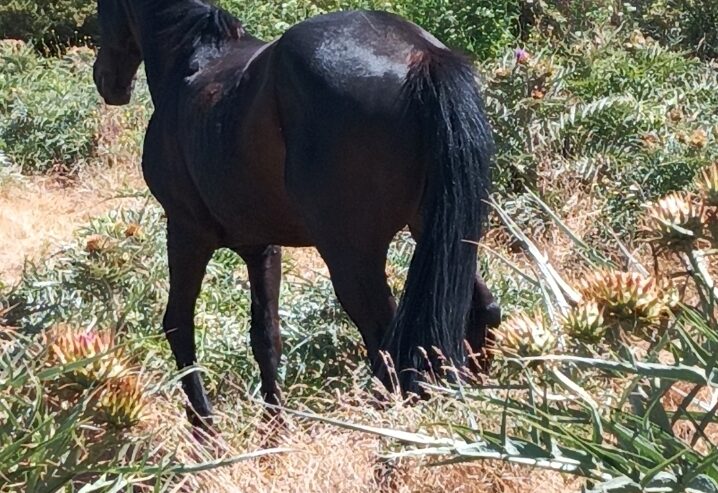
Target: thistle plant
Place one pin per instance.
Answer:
(95, 243)
(585, 323)
(89, 354)
(708, 184)
(628, 300)
(121, 402)
(133, 230)
(675, 221)
(698, 138)
(524, 335)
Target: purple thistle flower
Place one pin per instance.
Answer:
(522, 56)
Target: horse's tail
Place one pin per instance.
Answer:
(442, 92)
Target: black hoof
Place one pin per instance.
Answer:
(493, 315)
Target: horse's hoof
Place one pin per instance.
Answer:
(201, 435)
(493, 315)
(202, 429)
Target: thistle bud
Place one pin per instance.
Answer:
(121, 401)
(626, 297)
(585, 322)
(522, 335)
(69, 345)
(676, 220)
(708, 184)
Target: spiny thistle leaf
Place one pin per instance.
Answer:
(628, 298)
(585, 322)
(708, 184)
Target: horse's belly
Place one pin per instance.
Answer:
(255, 215)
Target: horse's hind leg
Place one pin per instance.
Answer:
(265, 271)
(359, 280)
(188, 255)
(485, 315)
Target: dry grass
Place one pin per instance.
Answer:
(325, 458)
(41, 211)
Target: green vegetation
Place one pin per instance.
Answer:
(613, 378)
(52, 24)
(49, 111)
(483, 29)
(610, 110)
(607, 128)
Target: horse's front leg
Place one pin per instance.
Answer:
(188, 255)
(264, 266)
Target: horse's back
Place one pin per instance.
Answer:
(356, 54)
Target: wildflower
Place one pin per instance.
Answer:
(95, 243)
(69, 345)
(650, 140)
(676, 114)
(502, 72)
(698, 138)
(537, 93)
(132, 230)
(675, 220)
(522, 56)
(625, 297)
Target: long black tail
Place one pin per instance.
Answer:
(459, 144)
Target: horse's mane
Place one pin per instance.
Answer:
(184, 25)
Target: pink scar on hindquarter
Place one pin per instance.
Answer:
(211, 94)
(417, 57)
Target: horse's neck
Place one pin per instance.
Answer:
(166, 63)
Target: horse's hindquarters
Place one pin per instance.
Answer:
(354, 162)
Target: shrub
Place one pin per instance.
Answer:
(479, 28)
(606, 109)
(51, 117)
(49, 109)
(692, 22)
(482, 29)
(52, 24)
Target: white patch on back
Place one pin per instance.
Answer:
(343, 55)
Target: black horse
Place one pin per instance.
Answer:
(340, 133)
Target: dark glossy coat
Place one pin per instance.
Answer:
(340, 133)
